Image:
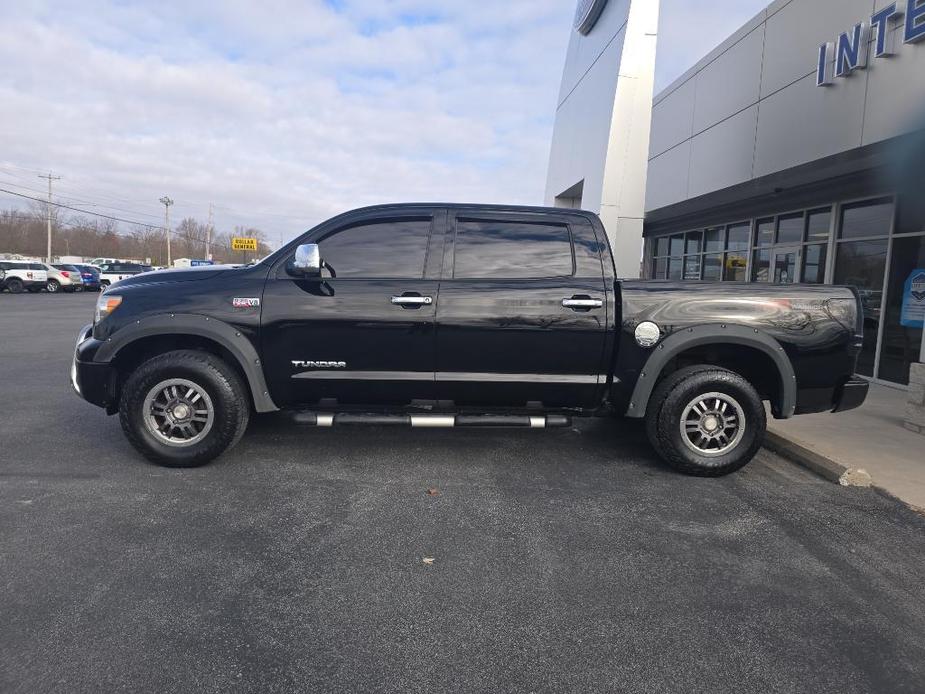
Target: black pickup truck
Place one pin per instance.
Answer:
(463, 315)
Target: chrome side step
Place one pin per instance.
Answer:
(432, 421)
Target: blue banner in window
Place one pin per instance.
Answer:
(913, 311)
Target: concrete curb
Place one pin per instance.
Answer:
(821, 465)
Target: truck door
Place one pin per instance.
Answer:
(364, 332)
(522, 313)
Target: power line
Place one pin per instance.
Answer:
(145, 225)
(91, 198)
(77, 209)
(84, 200)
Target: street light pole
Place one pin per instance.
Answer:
(209, 236)
(167, 202)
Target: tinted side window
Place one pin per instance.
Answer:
(512, 250)
(388, 249)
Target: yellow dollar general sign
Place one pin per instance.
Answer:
(241, 244)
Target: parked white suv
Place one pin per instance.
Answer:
(110, 273)
(22, 275)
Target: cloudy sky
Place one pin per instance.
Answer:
(284, 112)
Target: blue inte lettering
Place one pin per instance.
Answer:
(880, 23)
(915, 21)
(852, 50)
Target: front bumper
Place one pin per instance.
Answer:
(851, 394)
(92, 381)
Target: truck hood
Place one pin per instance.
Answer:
(175, 275)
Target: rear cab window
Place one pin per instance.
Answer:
(512, 249)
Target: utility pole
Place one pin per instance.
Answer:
(167, 202)
(48, 214)
(209, 235)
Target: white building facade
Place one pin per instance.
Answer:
(793, 152)
(604, 112)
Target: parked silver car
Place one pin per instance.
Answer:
(64, 278)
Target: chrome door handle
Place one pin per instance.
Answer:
(412, 300)
(582, 303)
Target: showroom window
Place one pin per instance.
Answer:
(713, 254)
(861, 254)
(792, 247)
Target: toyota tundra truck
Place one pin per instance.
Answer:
(463, 316)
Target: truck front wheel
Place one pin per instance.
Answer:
(184, 408)
(706, 421)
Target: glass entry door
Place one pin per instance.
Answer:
(785, 265)
(862, 264)
(902, 327)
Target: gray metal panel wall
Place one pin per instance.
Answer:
(762, 80)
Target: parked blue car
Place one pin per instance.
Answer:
(90, 276)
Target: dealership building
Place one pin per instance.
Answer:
(793, 152)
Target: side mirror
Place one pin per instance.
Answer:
(307, 260)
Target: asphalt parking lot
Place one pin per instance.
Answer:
(563, 561)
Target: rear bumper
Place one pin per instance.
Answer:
(851, 394)
(848, 395)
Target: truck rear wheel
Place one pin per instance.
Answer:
(706, 421)
(184, 408)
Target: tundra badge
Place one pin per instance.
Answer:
(320, 364)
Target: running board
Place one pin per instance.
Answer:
(423, 421)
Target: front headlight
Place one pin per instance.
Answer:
(105, 305)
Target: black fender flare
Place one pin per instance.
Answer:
(701, 335)
(201, 326)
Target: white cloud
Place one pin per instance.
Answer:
(284, 112)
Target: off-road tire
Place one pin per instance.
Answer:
(662, 389)
(229, 396)
(668, 405)
(14, 284)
